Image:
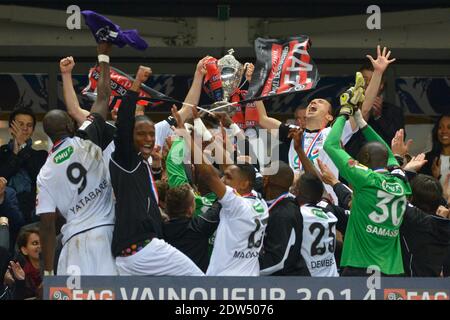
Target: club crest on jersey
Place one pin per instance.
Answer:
(258, 207)
(63, 155)
(393, 188)
(319, 213)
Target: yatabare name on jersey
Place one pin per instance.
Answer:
(239, 236)
(75, 179)
(319, 240)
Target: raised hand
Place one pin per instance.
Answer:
(17, 270)
(382, 61)
(156, 157)
(416, 163)
(18, 137)
(436, 167)
(327, 175)
(398, 145)
(249, 69)
(143, 73)
(296, 134)
(66, 65)
(201, 69)
(177, 117)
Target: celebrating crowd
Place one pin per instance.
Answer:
(189, 196)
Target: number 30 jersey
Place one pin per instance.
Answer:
(75, 180)
(319, 240)
(239, 236)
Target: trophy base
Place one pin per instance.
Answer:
(224, 106)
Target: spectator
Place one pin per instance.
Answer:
(20, 163)
(438, 164)
(9, 208)
(425, 235)
(29, 245)
(4, 250)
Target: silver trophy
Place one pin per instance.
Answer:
(231, 72)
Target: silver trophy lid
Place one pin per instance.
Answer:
(231, 72)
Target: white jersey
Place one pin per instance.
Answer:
(313, 145)
(75, 180)
(162, 131)
(319, 240)
(239, 236)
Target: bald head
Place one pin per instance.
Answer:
(280, 182)
(58, 124)
(373, 155)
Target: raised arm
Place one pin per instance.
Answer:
(193, 96)
(379, 66)
(176, 175)
(348, 167)
(308, 165)
(265, 121)
(124, 141)
(206, 171)
(100, 105)
(66, 66)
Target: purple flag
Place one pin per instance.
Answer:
(104, 29)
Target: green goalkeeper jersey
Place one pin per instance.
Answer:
(177, 176)
(378, 205)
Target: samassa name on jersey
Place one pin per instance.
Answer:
(63, 155)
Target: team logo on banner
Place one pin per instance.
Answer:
(120, 83)
(282, 67)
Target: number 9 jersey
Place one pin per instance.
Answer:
(75, 180)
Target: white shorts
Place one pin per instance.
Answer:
(89, 251)
(158, 258)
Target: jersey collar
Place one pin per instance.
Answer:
(57, 144)
(312, 131)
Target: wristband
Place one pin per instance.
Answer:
(49, 273)
(235, 129)
(103, 58)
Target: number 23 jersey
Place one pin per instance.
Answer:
(239, 236)
(75, 180)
